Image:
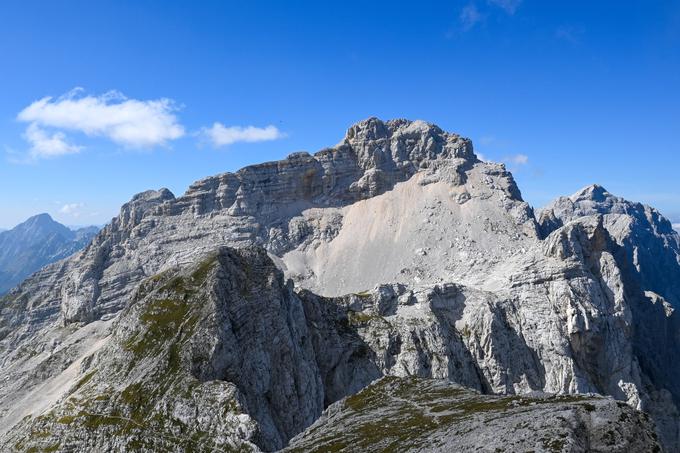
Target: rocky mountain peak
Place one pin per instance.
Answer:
(44, 224)
(642, 235)
(369, 129)
(401, 141)
(594, 200)
(43, 218)
(34, 243)
(375, 129)
(132, 212)
(153, 196)
(373, 157)
(593, 192)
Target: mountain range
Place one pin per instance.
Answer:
(35, 243)
(392, 292)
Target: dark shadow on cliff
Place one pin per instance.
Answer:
(513, 357)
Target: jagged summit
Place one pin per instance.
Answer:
(373, 156)
(162, 194)
(375, 129)
(593, 192)
(595, 199)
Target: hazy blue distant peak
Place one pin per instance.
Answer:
(42, 223)
(84, 227)
(34, 243)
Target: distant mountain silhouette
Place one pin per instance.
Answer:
(35, 243)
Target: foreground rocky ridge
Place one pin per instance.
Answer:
(452, 276)
(412, 414)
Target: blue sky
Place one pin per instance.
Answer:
(151, 94)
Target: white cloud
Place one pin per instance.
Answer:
(72, 209)
(517, 159)
(472, 14)
(221, 135)
(44, 144)
(469, 16)
(676, 226)
(509, 6)
(129, 122)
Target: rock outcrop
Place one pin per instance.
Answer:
(405, 255)
(212, 357)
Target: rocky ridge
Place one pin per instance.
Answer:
(414, 414)
(411, 258)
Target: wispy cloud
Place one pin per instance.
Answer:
(517, 159)
(477, 11)
(570, 33)
(469, 16)
(72, 209)
(509, 6)
(220, 135)
(676, 226)
(47, 145)
(128, 122)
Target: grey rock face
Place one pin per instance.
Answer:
(411, 258)
(645, 251)
(35, 243)
(210, 357)
(650, 244)
(411, 414)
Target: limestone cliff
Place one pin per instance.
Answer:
(400, 254)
